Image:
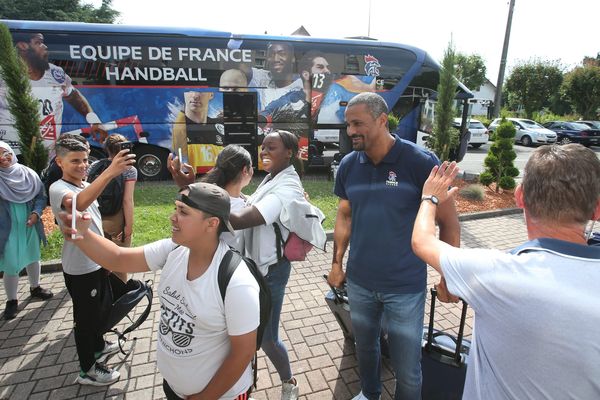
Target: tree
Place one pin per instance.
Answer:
(444, 137)
(535, 84)
(21, 103)
(582, 87)
(500, 168)
(58, 10)
(470, 70)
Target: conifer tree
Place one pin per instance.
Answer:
(500, 168)
(21, 104)
(444, 137)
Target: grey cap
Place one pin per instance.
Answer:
(209, 198)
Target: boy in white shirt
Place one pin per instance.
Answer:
(205, 345)
(85, 278)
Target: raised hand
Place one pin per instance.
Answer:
(440, 179)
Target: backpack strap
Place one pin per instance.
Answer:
(278, 240)
(228, 265)
(148, 294)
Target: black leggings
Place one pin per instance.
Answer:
(171, 395)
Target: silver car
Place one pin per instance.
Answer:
(528, 132)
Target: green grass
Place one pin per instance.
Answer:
(154, 205)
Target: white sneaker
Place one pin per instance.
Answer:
(98, 375)
(289, 391)
(361, 396)
(109, 349)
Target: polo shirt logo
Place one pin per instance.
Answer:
(391, 180)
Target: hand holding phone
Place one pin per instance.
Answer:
(74, 215)
(180, 156)
(127, 145)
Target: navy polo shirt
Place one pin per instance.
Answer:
(385, 199)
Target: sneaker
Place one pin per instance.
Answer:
(98, 375)
(11, 309)
(289, 391)
(361, 396)
(109, 349)
(40, 293)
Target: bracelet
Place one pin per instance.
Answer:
(92, 118)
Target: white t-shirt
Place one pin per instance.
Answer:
(235, 240)
(536, 320)
(195, 325)
(74, 262)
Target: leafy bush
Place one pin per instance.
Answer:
(499, 161)
(473, 192)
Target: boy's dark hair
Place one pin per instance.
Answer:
(228, 166)
(290, 142)
(68, 142)
(112, 145)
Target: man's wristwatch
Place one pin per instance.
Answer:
(431, 198)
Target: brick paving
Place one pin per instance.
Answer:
(38, 358)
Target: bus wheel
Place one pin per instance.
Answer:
(151, 163)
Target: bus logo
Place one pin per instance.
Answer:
(371, 65)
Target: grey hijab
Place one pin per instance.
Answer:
(18, 183)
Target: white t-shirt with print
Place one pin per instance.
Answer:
(195, 325)
(235, 240)
(74, 261)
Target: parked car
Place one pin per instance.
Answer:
(574, 132)
(528, 132)
(591, 124)
(479, 133)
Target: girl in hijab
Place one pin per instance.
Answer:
(22, 200)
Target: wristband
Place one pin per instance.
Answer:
(92, 118)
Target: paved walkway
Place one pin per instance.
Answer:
(38, 358)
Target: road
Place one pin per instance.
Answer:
(473, 160)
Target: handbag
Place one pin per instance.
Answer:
(294, 248)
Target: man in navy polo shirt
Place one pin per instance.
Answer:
(379, 186)
(537, 308)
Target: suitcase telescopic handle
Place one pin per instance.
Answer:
(461, 328)
(335, 291)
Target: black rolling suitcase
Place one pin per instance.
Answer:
(337, 300)
(444, 359)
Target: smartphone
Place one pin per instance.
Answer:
(180, 159)
(127, 145)
(74, 215)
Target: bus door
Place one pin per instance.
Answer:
(240, 118)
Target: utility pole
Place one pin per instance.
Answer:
(369, 27)
(498, 97)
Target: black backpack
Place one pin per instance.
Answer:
(228, 265)
(118, 299)
(49, 175)
(110, 200)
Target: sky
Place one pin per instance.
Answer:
(544, 29)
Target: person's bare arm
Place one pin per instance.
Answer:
(128, 206)
(341, 238)
(87, 196)
(101, 250)
(425, 243)
(247, 217)
(79, 102)
(241, 353)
